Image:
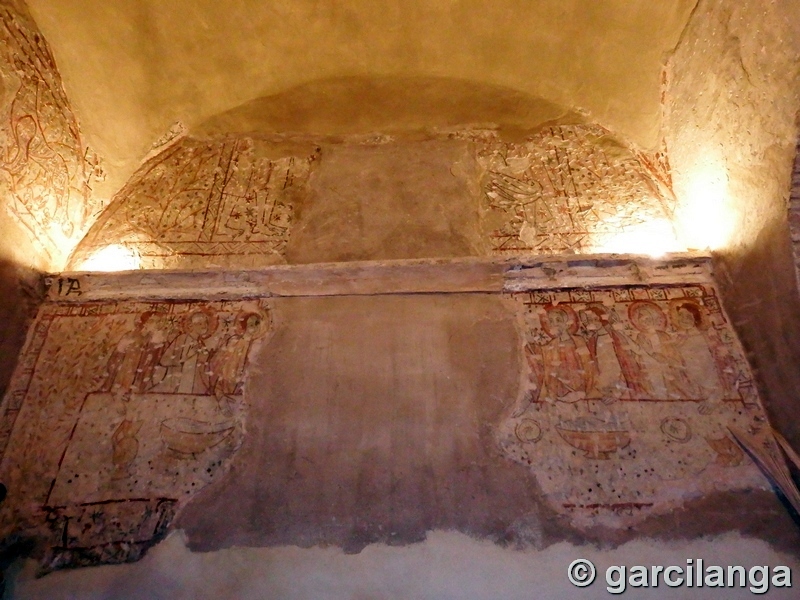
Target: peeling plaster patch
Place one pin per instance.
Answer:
(376, 419)
(118, 414)
(626, 401)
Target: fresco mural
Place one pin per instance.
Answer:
(120, 413)
(572, 189)
(45, 170)
(203, 203)
(627, 398)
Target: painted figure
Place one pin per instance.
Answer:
(604, 344)
(186, 356)
(225, 373)
(560, 362)
(668, 372)
(690, 323)
(125, 446)
(134, 365)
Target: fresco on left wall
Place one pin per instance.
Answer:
(123, 412)
(203, 203)
(46, 171)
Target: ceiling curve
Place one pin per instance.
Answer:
(347, 106)
(132, 68)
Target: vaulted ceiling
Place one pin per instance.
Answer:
(132, 68)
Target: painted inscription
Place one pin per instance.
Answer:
(627, 399)
(118, 414)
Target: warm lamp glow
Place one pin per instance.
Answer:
(112, 258)
(653, 238)
(704, 217)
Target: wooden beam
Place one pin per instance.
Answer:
(459, 275)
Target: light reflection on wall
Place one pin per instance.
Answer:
(114, 257)
(704, 217)
(653, 238)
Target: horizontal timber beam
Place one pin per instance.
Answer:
(427, 276)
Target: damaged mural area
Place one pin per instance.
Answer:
(627, 401)
(234, 202)
(524, 418)
(117, 415)
(201, 203)
(46, 172)
(574, 189)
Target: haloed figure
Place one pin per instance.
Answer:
(709, 362)
(668, 372)
(602, 342)
(561, 362)
(225, 372)
(185, 357)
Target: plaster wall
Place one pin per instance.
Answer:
(239, 201)
(44, 204)
(23, 291)
(190, 61)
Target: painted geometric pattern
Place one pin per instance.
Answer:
(45, 171)
(569, 189)
(201, 200)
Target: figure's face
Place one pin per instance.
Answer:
(685, 318)
(198, 325)
(591, 321)
(649, 318)
(252, 323)
(558, 321)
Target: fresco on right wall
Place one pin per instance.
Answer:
(627, 399)
(574, 189)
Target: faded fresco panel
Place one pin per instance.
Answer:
(202, 203)
(627, 398)
(573, 189)
(118, 414)
(45, 171)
